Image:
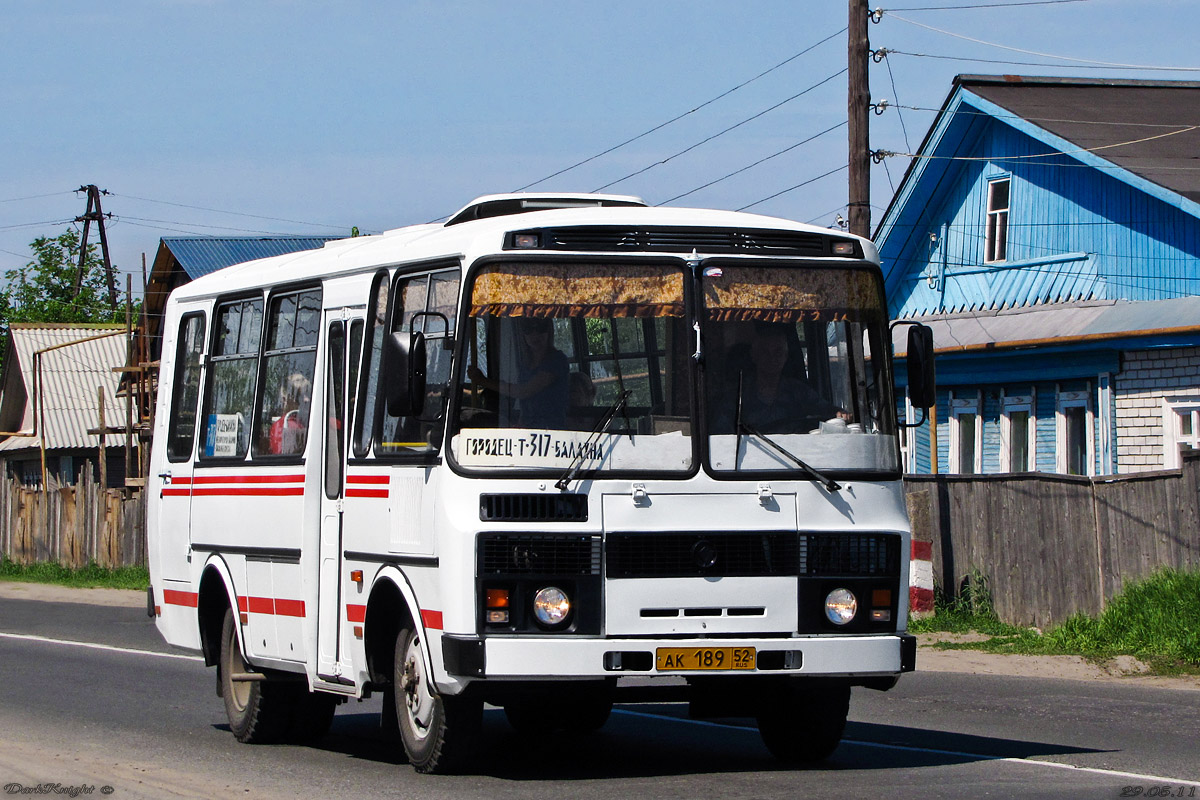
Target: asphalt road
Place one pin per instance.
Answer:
(138, 717)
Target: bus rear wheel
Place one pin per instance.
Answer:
(804, 724)
(259, 711)
(438, 731)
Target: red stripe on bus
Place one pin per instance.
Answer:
(175, 597)
(176, 492)
(249, 491)
(242, 606)
(356, 613)
(261, 605)
(432, 619)
(368, 478)
(922, 551)
(366, 492)
(184, 479)
(248, 478)
(289, 608)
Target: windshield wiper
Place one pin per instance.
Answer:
(741, 427)
(821, 478)
(599, 430)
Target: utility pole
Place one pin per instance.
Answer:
(95, 214)
(859, 108)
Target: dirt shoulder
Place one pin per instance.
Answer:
(1124, 669)
(45, 592)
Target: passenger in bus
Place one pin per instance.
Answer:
(540, 388)
(773, 394)
(288, 431)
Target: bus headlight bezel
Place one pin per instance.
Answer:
(841, 606)
(552, 607)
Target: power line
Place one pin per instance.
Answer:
(797, 186)
(1025, 157)
(662, 125)
(982, 5)
(199, 225)
(755, 164)
(996, 61)
(34, 197)
(1052, 119)
(36, 224)
(231, 213)
(723, 132)
(1105, 64)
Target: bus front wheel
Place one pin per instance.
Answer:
(259, 711)
(804, 724)
(438, 731)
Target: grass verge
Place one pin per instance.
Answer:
(1156, 620)
(91, 576)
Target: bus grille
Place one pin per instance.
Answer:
(849, 554)
(745, 241)
(686, 555)
(533, 507)
(537, 554)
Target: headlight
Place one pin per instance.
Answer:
(551, 606)
(840, 606)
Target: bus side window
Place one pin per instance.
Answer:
(366, 402)
(436, 292)
(289, 364)
(185, 391)
(232, 374)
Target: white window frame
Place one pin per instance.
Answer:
(1075, 400)
(1174, 410)
(1011, 404)
(965, 406)
(995, 246)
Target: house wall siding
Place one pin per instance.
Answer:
(1146, 377)
(1129, 245)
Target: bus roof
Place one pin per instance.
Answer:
(470, 239)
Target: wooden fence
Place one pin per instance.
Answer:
(72, 525)
(1051, 545)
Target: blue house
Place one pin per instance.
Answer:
(1049, 232)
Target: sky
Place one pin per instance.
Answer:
(261, 117)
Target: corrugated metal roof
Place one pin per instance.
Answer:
(70, 376)
(1061, 323)
(200, 255)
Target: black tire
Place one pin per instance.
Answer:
(312, 714)
(439, 732)
(804, 724)
(259, 712)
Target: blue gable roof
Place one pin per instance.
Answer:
(1080, 226)
(200, 255)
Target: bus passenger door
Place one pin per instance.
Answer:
(343, 341)
(172, 545)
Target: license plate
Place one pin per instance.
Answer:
(681, 659)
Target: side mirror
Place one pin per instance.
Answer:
(403, 372)
(921, 381)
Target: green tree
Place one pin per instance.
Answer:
(44, 289)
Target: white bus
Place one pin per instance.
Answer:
(559, 452)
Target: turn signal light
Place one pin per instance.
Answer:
(496, 611)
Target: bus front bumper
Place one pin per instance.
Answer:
(524, 658)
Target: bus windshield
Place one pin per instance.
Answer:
(590, 367)
(552, 350)
(795, 369)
